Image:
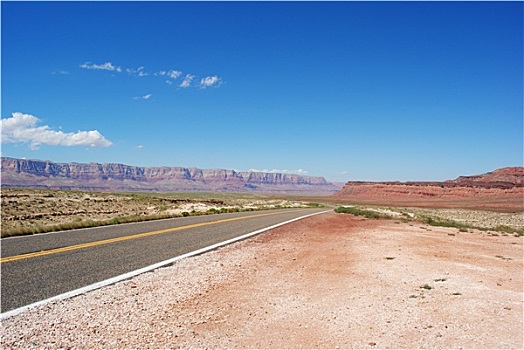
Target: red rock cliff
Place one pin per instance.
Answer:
(498, 187)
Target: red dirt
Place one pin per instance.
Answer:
(328, 281)
(336, 281)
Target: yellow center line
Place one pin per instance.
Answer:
(124, 238)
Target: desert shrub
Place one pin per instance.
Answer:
(436, 221)
(508, 229)
(360, 212)
(316, 205)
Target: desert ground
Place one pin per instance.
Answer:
(328, 281)
(28, 211)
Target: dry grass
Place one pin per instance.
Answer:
(28, 211)
(462, 219)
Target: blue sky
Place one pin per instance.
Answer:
(345, 90)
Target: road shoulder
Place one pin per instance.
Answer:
(327, 281)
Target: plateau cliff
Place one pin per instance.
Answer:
(120, 177)
(502, 188)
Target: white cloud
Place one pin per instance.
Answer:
(23, 128)
(187, 81)
(210, 81)
(139, 72)
(280, 171)
(168, 75)
(60, 72)
(145, 97)
(139, 147)
(173, 74)
(104, 66)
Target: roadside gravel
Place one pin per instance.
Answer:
(328, 281)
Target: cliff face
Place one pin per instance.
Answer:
(509, 177)
(46, 174)
(500, 187)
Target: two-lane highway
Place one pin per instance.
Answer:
(34, 268)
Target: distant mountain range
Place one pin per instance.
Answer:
(504, 185)
(25, 173)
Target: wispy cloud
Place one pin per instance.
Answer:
(187, 81)
(173, 74)
(169, 76)
(60, 72)
(23, 128)
(145, 97)
(210, 81)
(139, 72)
(104, 66)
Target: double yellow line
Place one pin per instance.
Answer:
(124, 238)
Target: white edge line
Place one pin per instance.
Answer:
(149, 268)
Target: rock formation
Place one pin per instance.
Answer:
(120, 177)
(505, 177)
(501, 187)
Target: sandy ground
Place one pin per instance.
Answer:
(328, 281)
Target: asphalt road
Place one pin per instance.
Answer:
(38, 267)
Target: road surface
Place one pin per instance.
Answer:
(34, 268)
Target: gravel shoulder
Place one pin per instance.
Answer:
(328, 281)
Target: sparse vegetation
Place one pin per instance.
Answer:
(436, 221)
(462, 219)
(508, 229)
(316, 205)
(370, 214)
(28, 211)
